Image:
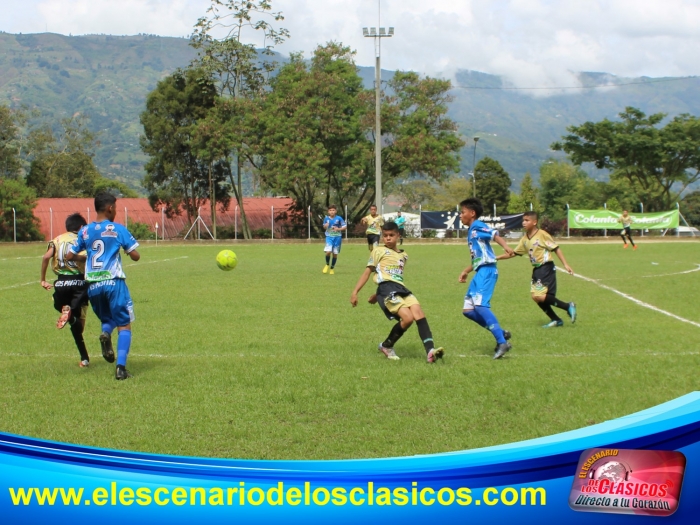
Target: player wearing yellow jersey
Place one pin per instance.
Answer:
(626, 231)
(70, 288)
(395, 300)
(539, 246)
(374, 223)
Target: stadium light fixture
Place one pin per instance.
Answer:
(378, 33)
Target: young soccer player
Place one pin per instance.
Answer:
(107, 289)
(374, 224)
(477, 301)
(538, 245)
(401, 223)
(334, 226)
(70, 289)
(395, 300)
(626, 221)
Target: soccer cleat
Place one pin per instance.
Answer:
(388, 352)
(65, 317)
(325, 269)
(634, 247)
(84, 363)
(121, 373)
(625, 246)
(506, 335)
(502, 349)
(332, 272)
(572, 312)
(435, 354)
(106, 344)
(553, 324)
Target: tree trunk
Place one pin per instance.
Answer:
(239, 198)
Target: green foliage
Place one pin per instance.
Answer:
(141, 231)
(492, 184)
(659, 163)
(690, 208)
(528, 196)
(10, 147)
(415, 194)
(15, 194)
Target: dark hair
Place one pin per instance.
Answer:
(532, 214)
(332, 207)
(75, 222)
(104, 199)
(373, 206)
(473, 204)
(390, 226)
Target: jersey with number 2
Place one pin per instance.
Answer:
(103, 241)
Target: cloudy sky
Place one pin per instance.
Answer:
(531, 42)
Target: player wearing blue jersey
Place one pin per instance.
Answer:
(477, 301)
(109, 296)
(334, 226)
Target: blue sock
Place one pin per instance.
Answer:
(123, 345)
(108, 326)
(474, 316)
(491, 323)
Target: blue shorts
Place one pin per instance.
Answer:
(481, 288)
(111, 301)
(333, 244)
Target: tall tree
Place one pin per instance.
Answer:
(236, 65)
(10, 150)
(658, 163)
(492, 184)
(528, 196)
(177, 174)
(15, 195)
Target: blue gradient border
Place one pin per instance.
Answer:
(549, 462)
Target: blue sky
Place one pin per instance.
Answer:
(531, 42)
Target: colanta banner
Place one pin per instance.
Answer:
(449, 220)
(606, 219)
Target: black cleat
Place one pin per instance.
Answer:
(121, 373)
(501, 350)
(106, 344)
(506, 335)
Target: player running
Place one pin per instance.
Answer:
(626, 221)
(374, 224)
(334, 226)
(108, 293)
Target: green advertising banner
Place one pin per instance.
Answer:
(606, 219)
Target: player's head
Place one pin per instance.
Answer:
(75, 222)
(398, 213)
(530, 219)
(472, 209)
(624, 212)
(106, 204)
(332, 210)
(373, 209)
(390, 232)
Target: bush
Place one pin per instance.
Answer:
(261, 233)
(554, 228)
(141, 231)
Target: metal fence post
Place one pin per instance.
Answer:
(641, 206)
(346, 221)
(14, 220)
(235, 222)
(308, 216)
(272, 223)
(51, 228)
(568, 231)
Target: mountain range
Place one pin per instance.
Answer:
(108, 77)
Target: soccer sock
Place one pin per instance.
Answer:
(474, 316)
(328, 259)
(335, 259)
(425, 334)
(76, 328)
(394, 335)
(547, 309)
(550, 300)
(108, 326)
(630, 238)
(491, 323)
(123, 345)
(623, 239)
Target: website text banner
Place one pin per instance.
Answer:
(449, 220)
(526, 482)
(610, 220)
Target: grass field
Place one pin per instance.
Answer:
(270, 361)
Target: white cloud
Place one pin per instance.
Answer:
(530, 42)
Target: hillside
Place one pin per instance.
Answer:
(108, 78)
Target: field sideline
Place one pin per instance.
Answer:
(270, 361)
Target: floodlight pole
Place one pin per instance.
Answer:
(378, 33)
(476, 139)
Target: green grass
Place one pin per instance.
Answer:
(270, 360)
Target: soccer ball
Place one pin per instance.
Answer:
(226, 260)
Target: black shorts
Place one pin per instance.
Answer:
(372, 239)
(627, 230)
(544, 280)
(402, 232)
(70, 290)
(387, 290)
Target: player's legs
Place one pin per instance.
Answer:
(64, 299)
(337, 241)
(426, 336)
(402, 234)
(477, 306)
(623, 232)
(328, 248)
(99, 301)
(122, 308)
(629, 236)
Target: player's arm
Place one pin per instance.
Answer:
(134, 254)
(505, 256)
(465, 272)
(45, 264)
(360, 283)
(77, 257)
(503, 244)
(560, 254)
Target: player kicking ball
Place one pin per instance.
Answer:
(396, 301)
(334, 226)
(539, 246)
(109, 296)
